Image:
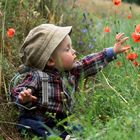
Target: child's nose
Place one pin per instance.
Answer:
(73, 51)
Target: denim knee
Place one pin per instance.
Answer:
(35, 124)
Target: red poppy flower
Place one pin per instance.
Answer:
(132, 56)
(136, 37)
(135, 63)
(129, 16)
(117, 2)
(11, 32)
(107, 29)
(137, 29)
(119, 63)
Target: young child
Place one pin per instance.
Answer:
(53, 75)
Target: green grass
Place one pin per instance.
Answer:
(108, 106)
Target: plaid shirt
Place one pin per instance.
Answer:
(62, 86)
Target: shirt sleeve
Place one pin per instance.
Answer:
(110, 54)
(93, 63)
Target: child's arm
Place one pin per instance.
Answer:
(93, 63)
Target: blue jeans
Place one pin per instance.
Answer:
(39, 126)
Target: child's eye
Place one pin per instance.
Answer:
(67, 49)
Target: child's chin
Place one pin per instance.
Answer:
(69, 68)
(74, 65)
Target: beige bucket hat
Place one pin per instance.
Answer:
(40, 44)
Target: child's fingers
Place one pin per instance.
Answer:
(29, 90)
(24, 94)
(126, 48)
(34, 98)
(21, 96)
(29, 93)
(119, 36)
(123, 40)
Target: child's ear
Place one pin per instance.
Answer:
(51, 62)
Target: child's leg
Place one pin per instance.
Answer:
(72, 129)
(51, 122)
(36, 124)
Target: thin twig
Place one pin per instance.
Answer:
(118, 94)
(13, 123)
(5, 88)
(5, 135)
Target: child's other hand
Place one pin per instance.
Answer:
(26, 96)
(120, 40)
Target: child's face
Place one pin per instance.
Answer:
(64, 55)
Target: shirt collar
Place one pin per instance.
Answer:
(55, 72)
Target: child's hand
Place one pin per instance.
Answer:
(26, 96)
(120, 40)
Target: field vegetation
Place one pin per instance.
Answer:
(109, 104)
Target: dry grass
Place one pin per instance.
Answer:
(106, 7)
(8, 130)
